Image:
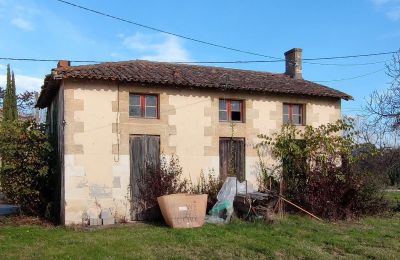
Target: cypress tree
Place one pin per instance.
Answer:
(14, 109)
(10, 98)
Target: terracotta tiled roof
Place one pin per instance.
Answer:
(187, 76)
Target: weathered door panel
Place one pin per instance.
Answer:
(232, 157)
(144, 153)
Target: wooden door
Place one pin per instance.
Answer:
(232, 158)
(144, 153)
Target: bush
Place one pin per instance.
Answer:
(158, 180)
(320, 170)
(208, 185)
(24, 173)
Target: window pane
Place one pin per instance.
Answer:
(286, 119)
(296, 120)
(285, 109)
(223, 116)
(222, 104)
(235, 105)
(134, 111)
(296, 109)
(151, 112)
(151, 101)
(134, 100)
(236, 116)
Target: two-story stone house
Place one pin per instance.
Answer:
(110, 118)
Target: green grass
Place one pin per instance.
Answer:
(393, 197)
(294, 237)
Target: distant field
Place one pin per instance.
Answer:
(294, 237)
(393, 197)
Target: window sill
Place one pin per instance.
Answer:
(139, 117)
(231, 122)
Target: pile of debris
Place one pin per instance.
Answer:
(241, 198)
(256, 205)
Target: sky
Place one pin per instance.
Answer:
(48, 29)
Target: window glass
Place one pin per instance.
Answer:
(151, 112)
(235, 105)
(286, 119)
(296, 110)
(222, 104)
(286, 109)
(134, 100)
(296, 120)
(135, 111)
(151, 101)
(223, 116)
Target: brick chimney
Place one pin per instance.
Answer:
(63, 63)
(293, 63)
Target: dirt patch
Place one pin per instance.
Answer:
(24, 221)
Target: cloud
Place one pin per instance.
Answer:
(394, 14)
(157, 47)
(23, 82)
(22, 24)
(391, 8)
(380, 3)
(20, 15)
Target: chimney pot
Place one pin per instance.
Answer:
(63, 63)
(294, 63)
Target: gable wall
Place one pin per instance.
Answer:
(98, 127)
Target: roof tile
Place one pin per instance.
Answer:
(188, 75)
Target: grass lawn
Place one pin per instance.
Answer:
(393, 197)
(294, 237)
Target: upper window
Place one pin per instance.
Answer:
(230, 110)
(293, 114)
(141, 105)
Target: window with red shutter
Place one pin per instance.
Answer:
(293, 114)
(230, 110)
(142, 105)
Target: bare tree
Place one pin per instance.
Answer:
(25, 102)
(381, 119)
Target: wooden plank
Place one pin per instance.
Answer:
(152, 152)
(137, 168)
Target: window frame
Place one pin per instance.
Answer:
(290, 113)
(142, 100)
(228, 109)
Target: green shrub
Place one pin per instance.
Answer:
(24, 173)
(320, 170)
(208, 185)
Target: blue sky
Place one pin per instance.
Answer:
(49, 29)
